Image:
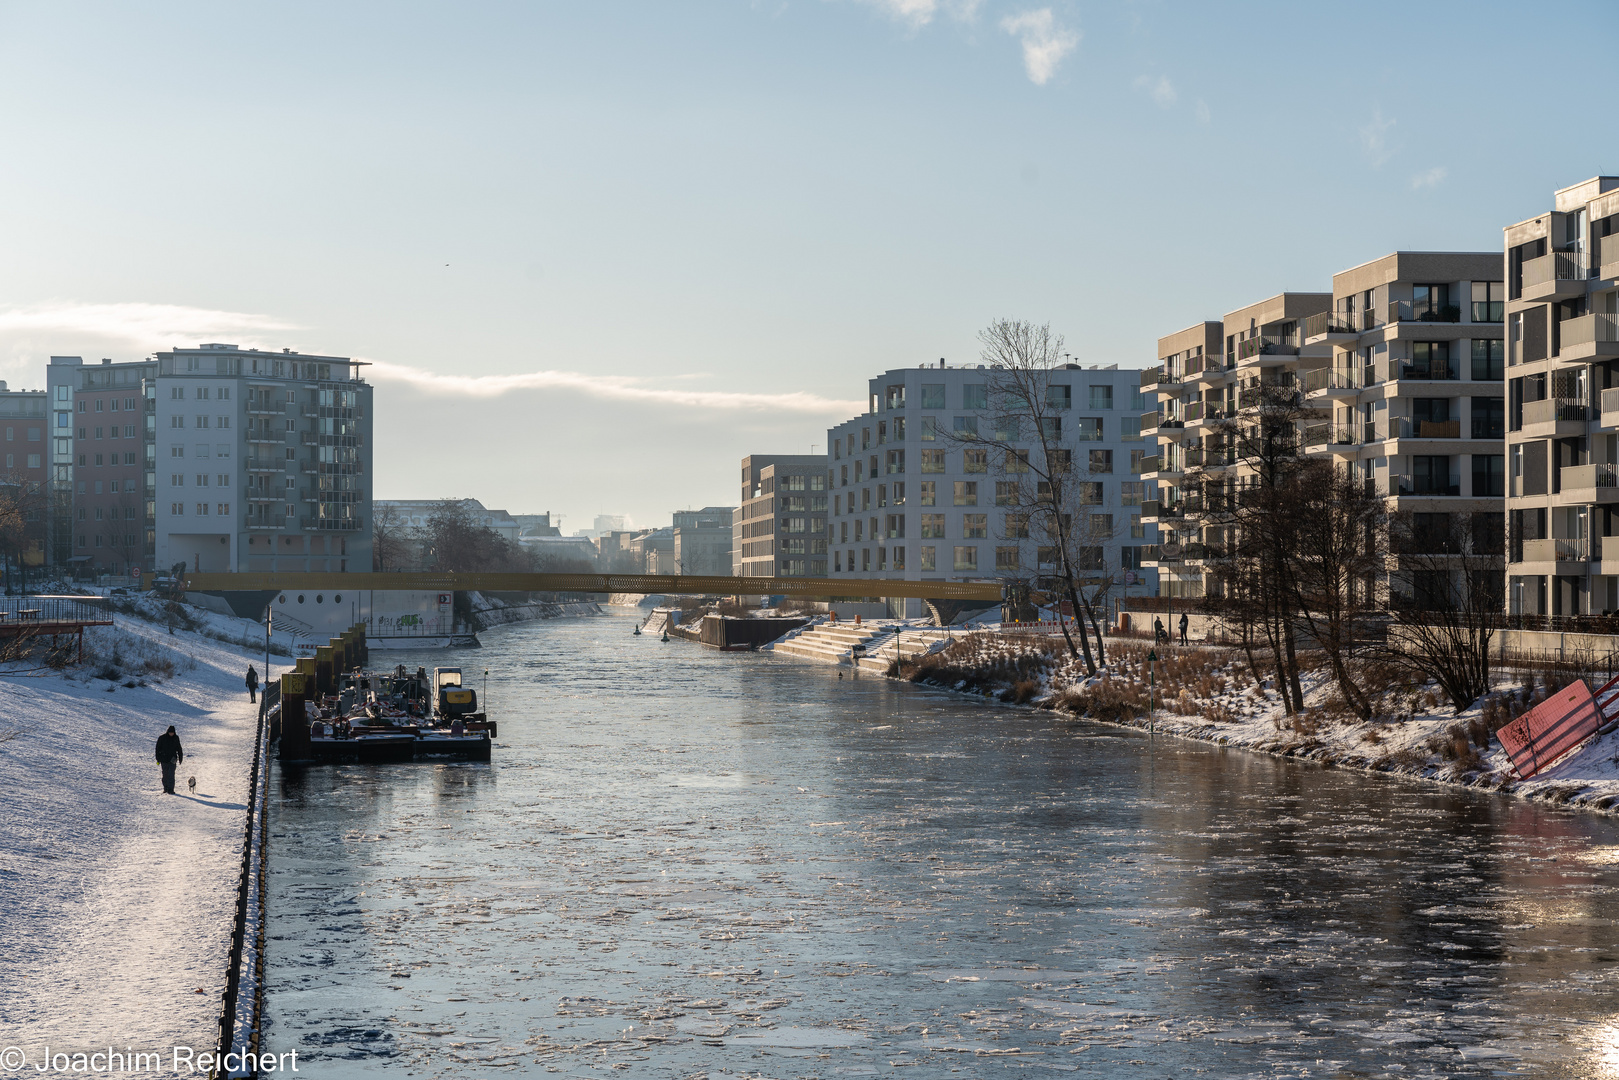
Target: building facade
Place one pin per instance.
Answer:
(780, 528)
(1562, 392)
(918, 492)
(114, 467)
(702, 541)
(263, 461)
(24, 415)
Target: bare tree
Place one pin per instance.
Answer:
(1027, 440)
(1446, 599)
(390, 542)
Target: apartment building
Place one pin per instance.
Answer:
(702, 541)
(780, 528)
(1395, 375)
(114, 467)
(23, 419)
(1206, 375)
(915, 498)
(263, 461)
(1562, 380)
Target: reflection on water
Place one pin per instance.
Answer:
(682, 862)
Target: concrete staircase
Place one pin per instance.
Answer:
(901, 643)
(827, 643)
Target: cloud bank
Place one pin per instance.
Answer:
(143, 325)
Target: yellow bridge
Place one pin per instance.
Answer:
(680, 584)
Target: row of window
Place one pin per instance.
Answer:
(202, 393)
(977, 396)
(127, 458)
(129, 540)
(1007, 493)
(34, 434)
(965, 558)
(973, 527)
(108, 513)
(179, 479)
(127, 486)
(998, 428)
(178, 509)
(112, 432)
(178, 420)
(128, 404)
(33, 461)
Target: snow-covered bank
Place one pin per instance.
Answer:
(116, 901)
(491, 610)
(1209, 694)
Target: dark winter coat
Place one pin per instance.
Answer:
(252, 677)
(169, 749)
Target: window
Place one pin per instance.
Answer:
(177, 509)
(1101, 397)
(1017, 526)
(1090, 493)
(965, 426)
(1430, 476)
(221, 422)
(865, 498)
(895, 526)
(882, 494)
(1488, 297)
(1488, 474)
(895, 397)
(1489, 418)
(926, 559)
(930, 429)
(899, 494)
(966, 492)
(202, 393)
(1089, 429)
(926, 493)
(1006, 560)
(845, 476)
(966, 558)
(1017, 461)
(974, 396)
(932, 526)
(177, 479)
(859, 469)
(1138, 531)
(1132, 492)
(865, 558)
(177, 451)
(896, 462)
(882, 432)
(1059, 396)
(177, 421)
(1006, 493)
(1135, 460)
(933, 461)
(974, 526)
(1101, 526)
(899, 558)
(1488, 364)
(1090, 558)
(865, 438)
(933, 395)
(1130, 428)
(1431, 303)
(1429, 360)
(1060, 461)
(975, 461)
(1101, 461)
(1008, 427)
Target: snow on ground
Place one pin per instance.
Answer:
(1219, 702)
(116, 900)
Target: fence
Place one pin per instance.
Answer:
(46, 609)
(241, 1006)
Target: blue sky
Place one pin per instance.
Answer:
(600, 251)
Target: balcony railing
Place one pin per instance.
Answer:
(330, 524)
(1150, 420)
(1423, 487)
(266, 408)
(1610, 398)
(1193, 412)
(1551, 410)
(1589, 330)
(1556, 550)
(1152, 464)
(1432, 370)
(1152, 377)
(1557, 266)
(1488, 427)
(1401, 427)
(1276, 395)
(1406, 311)
(1330, 322)
(1331, 435)
(1584, 477)
(1331, 379)
(1264, 346)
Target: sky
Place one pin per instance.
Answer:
(599, 252)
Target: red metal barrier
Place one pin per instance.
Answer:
(1551, 729)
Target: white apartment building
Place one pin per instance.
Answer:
(263, 461)
(911, 501)
(1562, 369)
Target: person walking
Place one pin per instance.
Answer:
(252, 683)
(169, 755)
(1185, 622)
(1158, 633)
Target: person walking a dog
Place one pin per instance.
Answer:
(252, 684)
(169, 755)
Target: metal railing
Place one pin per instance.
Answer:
(1408, 311)
(1152, 376)
(1330, 322)
(1557, 266)
(1552, 410)
(1401, 427)
(1580, 477)
(320, 524)
(1572, 549)
(1489, 427)
(1425, 488)
(1265, 346)
(1593, 329)
(1610, 401)
(1330, 435)
(1432, 370)
(1331, 379)
(23, 610)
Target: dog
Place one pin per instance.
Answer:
(191, 782)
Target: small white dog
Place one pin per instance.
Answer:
(191, 782)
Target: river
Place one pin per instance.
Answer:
(684, 863)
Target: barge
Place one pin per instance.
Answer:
(369, 716)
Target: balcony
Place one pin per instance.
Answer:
(1557, 276)
(1610, 407)
(1401, 427)
(1151, 464)
(1332, 382)
(266, 438)
(1424, 488)
(1152, 421)
(327, 495)
(329, 524)
(1551, 417)
(258, 465)
(1556, 550)
(1488, 427)
(1331, 327)
(1589, 337)
(1268, 394)
(265, 408)
(1590, 483)
(263, 524)
(1432, 371)
(1265, 346)
(1399, 311)
(1321, 435)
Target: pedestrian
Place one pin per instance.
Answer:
(169, 755)
(252, 684)
(1185, 622)
(1158, 633)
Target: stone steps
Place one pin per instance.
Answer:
(826, 643)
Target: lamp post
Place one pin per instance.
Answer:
(1171, 552)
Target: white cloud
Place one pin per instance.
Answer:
(918, 13)
(1431, 178)
(1160, 89)
(610, 387)
(1201, 110)
(1374, 138)
(1044, 42)
(147, 326)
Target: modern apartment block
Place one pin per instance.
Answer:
(23, 419)
(114, 467)
(1562, 369)
(702, 541)
(1396, 375)
(780, 528)
(913, 500)
(263, 461)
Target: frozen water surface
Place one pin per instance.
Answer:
(683, 863)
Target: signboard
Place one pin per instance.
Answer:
(444, 598)
(1129, 577)
(1551, 729)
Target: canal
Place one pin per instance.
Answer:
(684, 863)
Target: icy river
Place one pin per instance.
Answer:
(684, 863)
